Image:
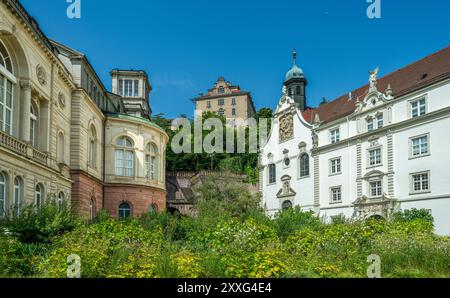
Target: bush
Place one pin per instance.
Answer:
(291, 220)
(32, 226)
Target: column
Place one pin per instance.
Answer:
(26, 107)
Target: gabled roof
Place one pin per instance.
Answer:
(420, 74)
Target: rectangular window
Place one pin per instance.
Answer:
(233, 112)
(420, 182)
(336, 195)
(272, 174)
(136, 88)
(419, 146)
(375, 157)
(418, 108)
(335, 135)
(370, 124)
(221, 102)
(208, 104)
(119, 163)
(376, 189)
(380, 121)
(128, 88)
(233, 101)
(335, 166)
(120, 87)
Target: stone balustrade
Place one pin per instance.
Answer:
(22, 148)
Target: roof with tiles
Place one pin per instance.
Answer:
(420, 74)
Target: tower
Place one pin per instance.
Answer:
(134, 88)
(295, 83)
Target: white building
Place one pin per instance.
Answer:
(383, 147)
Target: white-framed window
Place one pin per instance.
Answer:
(128, 88)
(375, 158)
(93, 147)
(39, 196)
(419, 146)
(272, 173)
(420, 182)
(336, 194)
(7, 82)
(370, 124)
(380, 121)
(124, 210)
(120, 87)
(124, 157)
(3, 194)
(136, 88)
(335, 166)
(418, 107)
(304, 165)
(335, 135)
(376, 188)
(18, 195)
(151, 164)
(33, 126)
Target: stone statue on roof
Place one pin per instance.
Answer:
(373, 77)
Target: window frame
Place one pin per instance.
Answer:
(269, 174)
(417, 100)
(3, 194)
(304, 168)
(331, 173)
(122, 209)
(411, 146)
(379, 190)
(369, 157)
(412, 183)
(124, 149)
(17, 194)
(332, 189)
(335, 137)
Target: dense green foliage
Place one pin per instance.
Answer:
(229, 237)
(245, 163)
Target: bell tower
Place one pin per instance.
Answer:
(295, 84)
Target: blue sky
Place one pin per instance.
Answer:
(185, 45)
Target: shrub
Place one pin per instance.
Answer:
(32, 226)
(291, 220)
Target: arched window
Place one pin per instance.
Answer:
(3, 194)
(152, 208)
(91, 210)
(124, 210)
(124, 156)
(33, 126)
(60, 200)
(304, 165)
(18, 194)
(39, 196)
(7, 81)
(286, 205)
(60, 151)
(151, 161)
(93, 147)
(272, 173)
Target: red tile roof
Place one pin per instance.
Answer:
(425, 72)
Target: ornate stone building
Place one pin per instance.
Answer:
(227, 100)
(381, 148)
(64, 137)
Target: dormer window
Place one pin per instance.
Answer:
(221, 90)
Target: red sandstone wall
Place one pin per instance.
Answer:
(140, 199)
(84, 189)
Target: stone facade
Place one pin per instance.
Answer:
(60, 128)
(228, 100)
